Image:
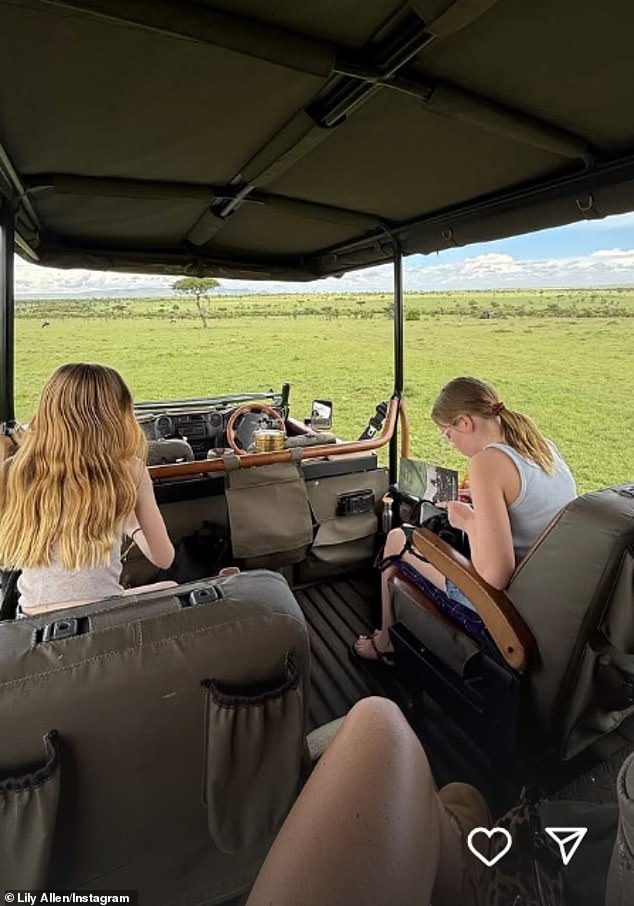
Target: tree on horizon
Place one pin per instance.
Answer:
(197, 288)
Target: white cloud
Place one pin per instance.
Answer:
(32, 281)
(619, 257)
(485, 271)
(493, 271)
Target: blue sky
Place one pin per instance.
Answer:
(590, 253)
(576, 239)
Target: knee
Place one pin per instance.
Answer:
(379, 715)
(378, 728)
(395, 541)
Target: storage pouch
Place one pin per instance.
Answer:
(28, 810)
(342, 542)
(254, 741)
(601, 689)
(268, 512)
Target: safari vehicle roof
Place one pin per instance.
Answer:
(294, 140)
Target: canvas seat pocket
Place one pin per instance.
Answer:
(605, 694)
(254, 743)
(28, 811)
(268, 512)
(598, 695)
(615, 679)
(346, 540)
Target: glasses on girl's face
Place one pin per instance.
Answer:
(444, 434)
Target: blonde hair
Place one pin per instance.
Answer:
(70, 481)
(471, 396)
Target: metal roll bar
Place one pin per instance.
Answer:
(7, 414)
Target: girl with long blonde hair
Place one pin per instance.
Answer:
(75, 485)
(518, 482)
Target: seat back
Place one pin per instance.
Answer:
(173, 729)
(168, 450)
(575, 591)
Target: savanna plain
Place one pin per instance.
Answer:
(563, 356)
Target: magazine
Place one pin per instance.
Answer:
(427, 481)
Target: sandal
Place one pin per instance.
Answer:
(383, 657)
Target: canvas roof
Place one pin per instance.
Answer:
(297, 139)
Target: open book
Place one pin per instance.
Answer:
(427, 481)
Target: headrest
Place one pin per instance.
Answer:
(168, 450)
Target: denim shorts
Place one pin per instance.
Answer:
(455, 594)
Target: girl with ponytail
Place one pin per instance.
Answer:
(75, 485)
(518, 482)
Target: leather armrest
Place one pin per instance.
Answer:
(504, 624)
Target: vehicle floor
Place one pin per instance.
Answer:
(337, 611)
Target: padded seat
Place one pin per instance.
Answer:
(153, 742)
(563, 630)
(168, 450)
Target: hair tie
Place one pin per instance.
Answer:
(496, 408)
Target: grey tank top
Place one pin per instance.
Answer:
(540, 499)
(53, 585)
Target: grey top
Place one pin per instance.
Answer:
(54, 585)
(540, 499)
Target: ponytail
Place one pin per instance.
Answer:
(521, 433)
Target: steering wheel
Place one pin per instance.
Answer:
(245, 410)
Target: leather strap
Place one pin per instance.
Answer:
(231, 462)
(408, 547)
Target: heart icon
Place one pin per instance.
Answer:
(490, 834)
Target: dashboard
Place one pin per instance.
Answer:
(201, 429)
(203, 423)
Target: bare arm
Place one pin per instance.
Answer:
(487, 524)
(7, 447)
(4, 465)
(152, 539)
(9, 444)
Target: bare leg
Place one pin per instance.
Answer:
(394, 542)
(368, 828)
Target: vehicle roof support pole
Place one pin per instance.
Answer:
(398, 351)
(6, 312)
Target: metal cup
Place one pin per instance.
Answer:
(268, 440)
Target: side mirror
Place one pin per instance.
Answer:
(321, 415)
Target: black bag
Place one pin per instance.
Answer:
(410, 509)
(198, 556)
(439, 524)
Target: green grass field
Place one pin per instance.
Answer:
(565, 357)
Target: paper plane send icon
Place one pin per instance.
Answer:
(568, 839)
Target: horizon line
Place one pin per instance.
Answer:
(139, 295)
